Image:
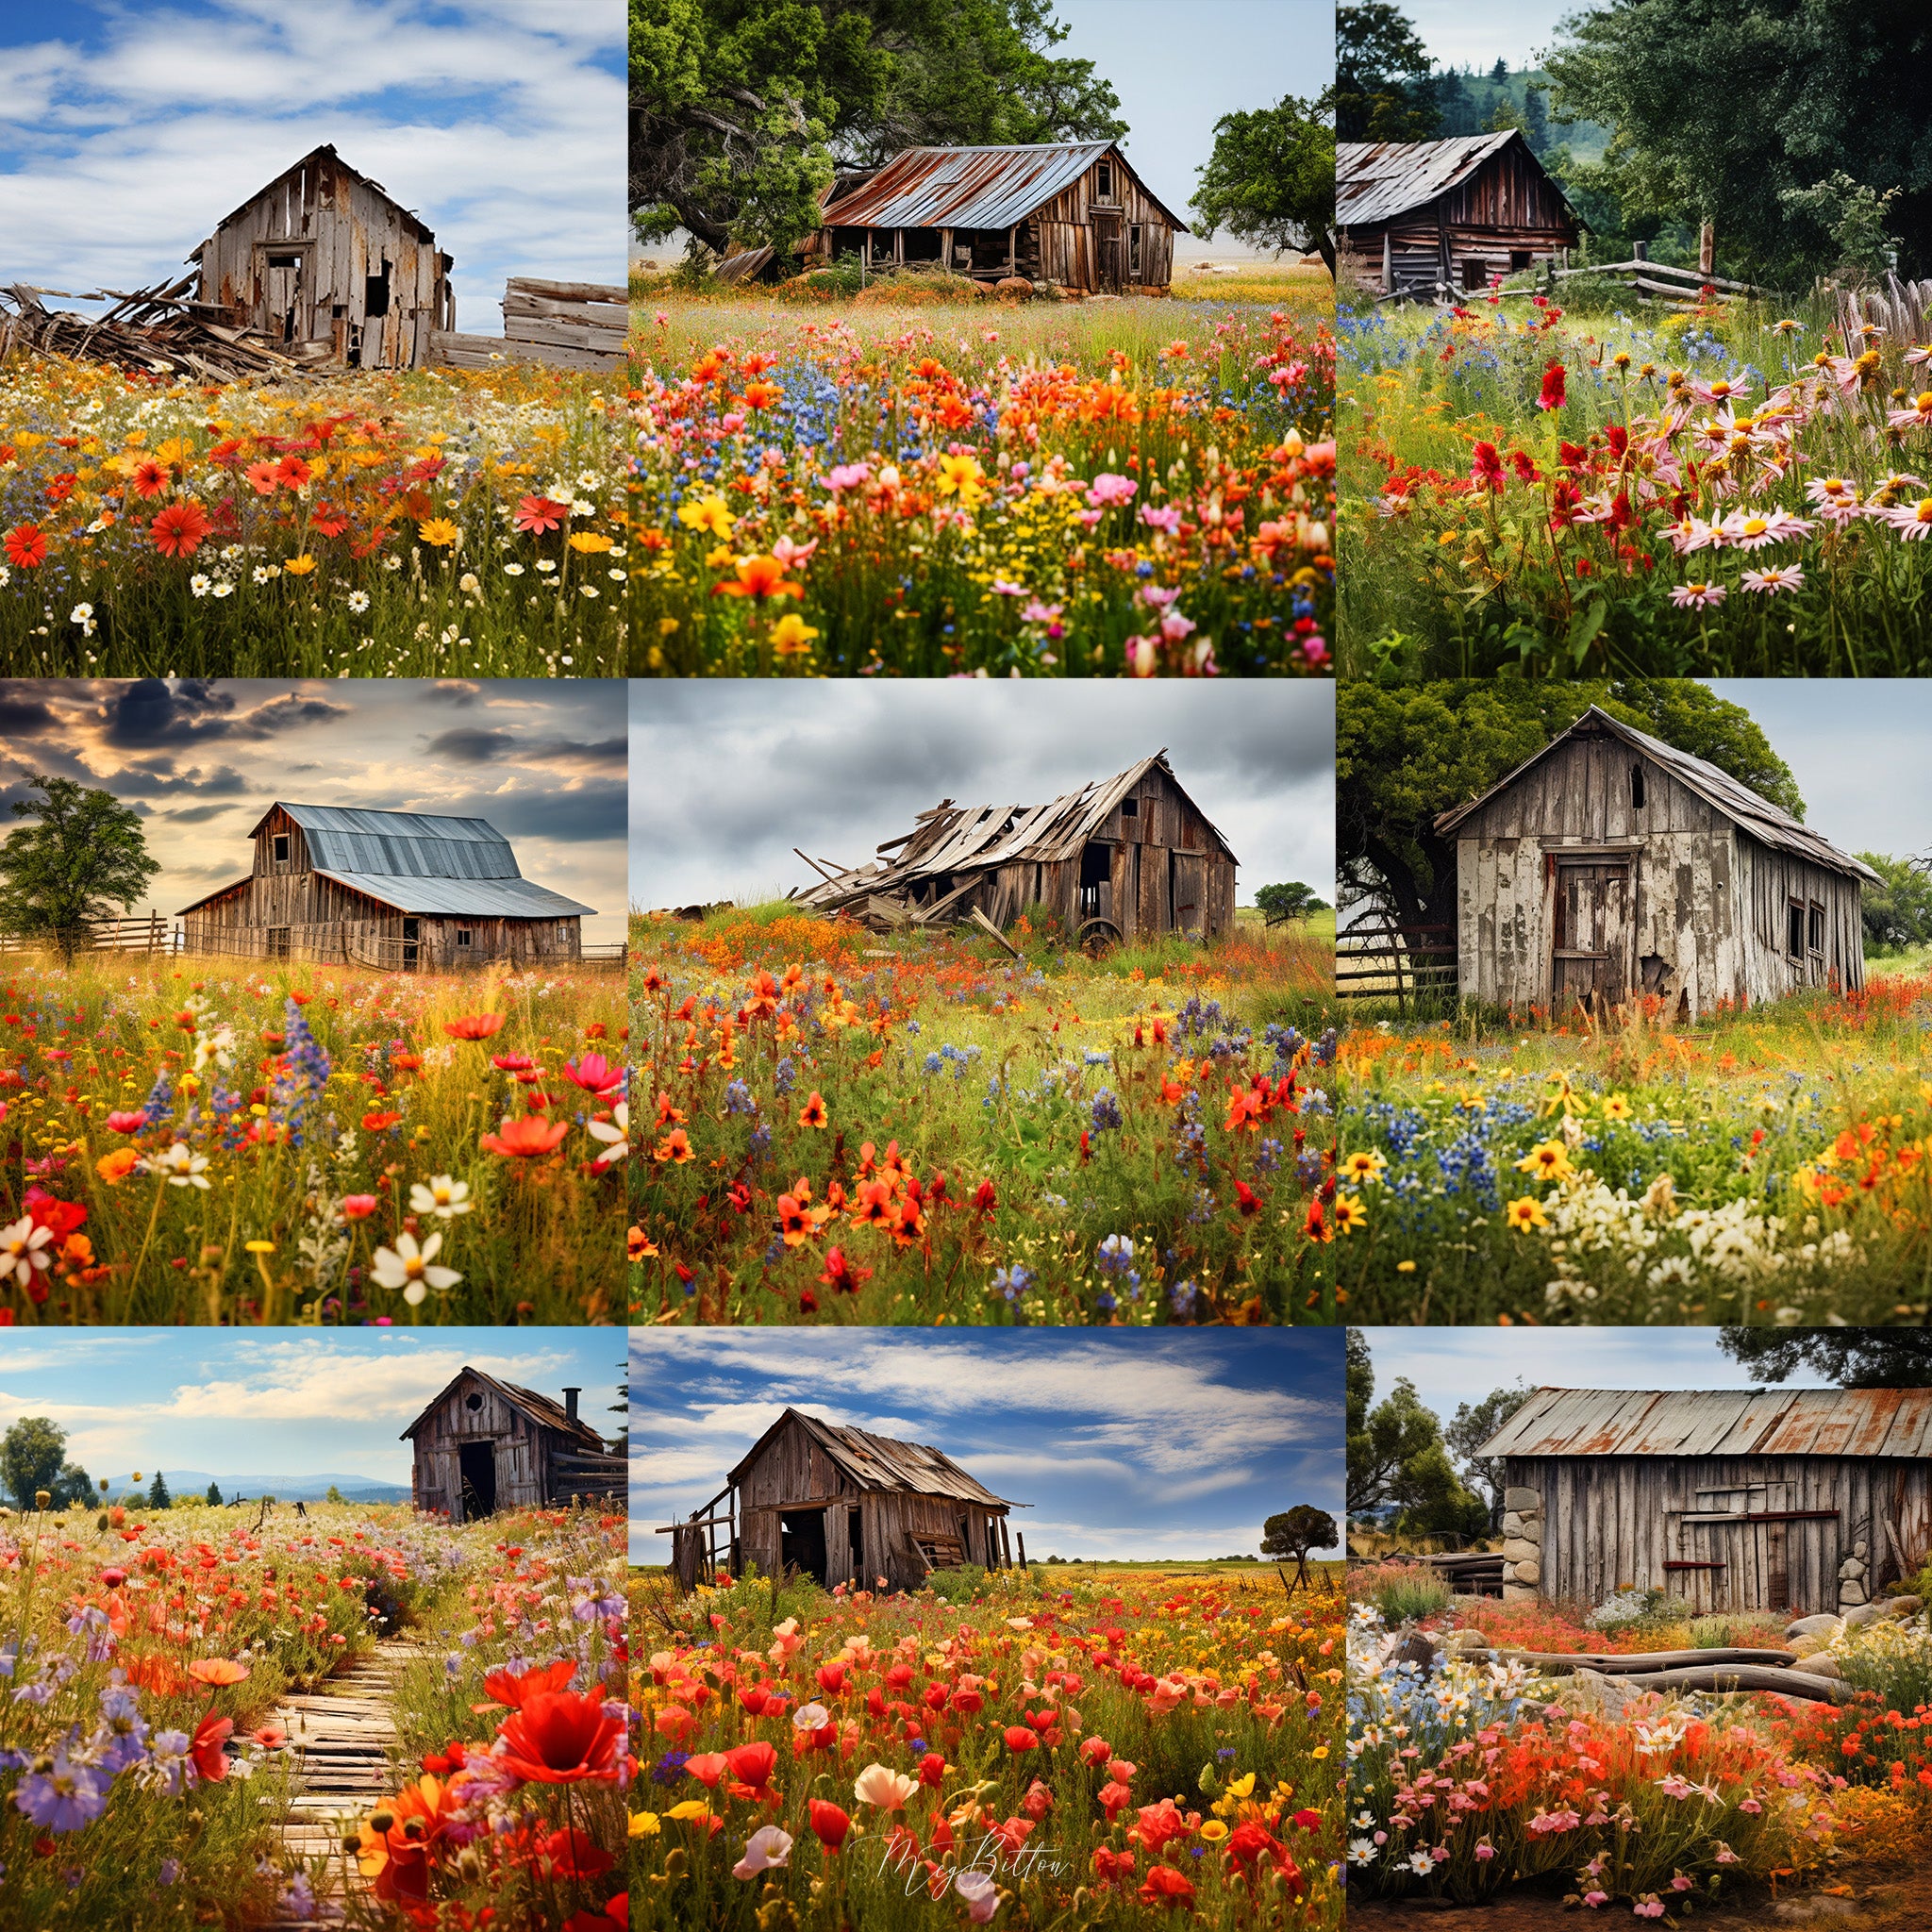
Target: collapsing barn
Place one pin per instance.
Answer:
(1803, 1500)
(1131, 857)
(1070, 213)
(1429, 215)
(485, 1445)
(841, 1506)
(1611, 866)
(324, 261)
(393, 890)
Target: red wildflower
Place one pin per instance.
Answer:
(209, 1735)
(1552, 396)
(180, 529)
(473, 1025)
(1485, 469)
(525, 1139)
(562, 1736)
(829, 1824)
(515, 1688)
(537, 515)
(26, 546)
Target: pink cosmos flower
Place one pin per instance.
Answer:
(1091, 517)
(1160, 595)
(1002, 589)
(1167, 519)
(731, 421)
(1107, 488)
(791, 554)
(1174, 626)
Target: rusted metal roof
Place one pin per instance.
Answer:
(879, 1462)
(972, 187)
(951, 838)
(1743, 806)
(1375, 181)
(1889, 1423)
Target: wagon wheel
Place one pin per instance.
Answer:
(1096, 935)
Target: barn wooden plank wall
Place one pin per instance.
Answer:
(562, 324)
(437, 1483)
(1708, 902)
(1608, 1524)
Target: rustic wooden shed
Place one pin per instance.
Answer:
(325, 261)
(402, 891)
(1447, 214)
(1067, 211)
(841, 1506)
(1125, 858)
(1612, 865)
(485, 1445)
(1734, 1499)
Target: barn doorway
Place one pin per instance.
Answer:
(477, 1466)
(801, 1542)
(1106, 253)
(1190, 892)
(413, 944)
(1594, 933)
(1096, 878)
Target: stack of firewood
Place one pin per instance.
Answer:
(154, 330)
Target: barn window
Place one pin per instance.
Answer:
(281, 848)
(1134, 248)
(1817, 924)
(1519, 260)
(463, 936)
(1130, 808)
(285, 261)
(1474, 275)
(1794, 928)
(1102, 181)
(1635, 788)
(473, 1402)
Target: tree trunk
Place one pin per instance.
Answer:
(1324, 242)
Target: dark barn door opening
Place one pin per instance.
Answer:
(412, 936)
(801, 1542)
(478, 1463)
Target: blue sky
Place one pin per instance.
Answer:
(1164, 1445)
(287, 1402)
(1450, 1366)
(127, 132)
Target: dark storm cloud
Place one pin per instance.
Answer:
(476, 746)
(149, 710)
(159, 778)
(24, 711)
(584, 816)
(727, 777)
(198, 814)
(454, 692)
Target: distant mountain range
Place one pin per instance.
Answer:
(187, 1483)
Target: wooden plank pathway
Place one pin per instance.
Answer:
(344, 1736)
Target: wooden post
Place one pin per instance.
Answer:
(1023, 1549)
(947, 250)
(898, 247)
(1387, 265)
(1012, 252)
(1706, 249)
(1640, 251)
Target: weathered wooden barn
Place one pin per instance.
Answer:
(403, 891)
(1128, 858)
(1067, 211)
(1803, 1500)
(326, 264)
(1448, 214)
(485, 1445)
(841, 1506)
(1612, 866)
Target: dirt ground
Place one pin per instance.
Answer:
(1863, 1899)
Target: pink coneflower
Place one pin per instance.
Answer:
(1720, 390)
(1918, 417)
(1693, 533)
(1773, 578)
(1696, 596)
(1910, 520)
(1754, 529)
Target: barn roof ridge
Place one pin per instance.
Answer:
(538, 1409)
(881, 1462)
(1892, 1424)
(917, 187)
(1730, 797)
(315, 154)
(981, 838)
(1377, 180)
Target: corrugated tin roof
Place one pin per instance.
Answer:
(1757, 816)
(1889, 1422)
(1374, 181)
(879, 1462)
(537, 1409)
(486, 898)
(954, 839)
(972, 187)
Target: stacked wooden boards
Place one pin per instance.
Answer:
(566, 324)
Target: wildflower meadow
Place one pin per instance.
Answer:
(1732, 489)
(932, 1130)
(1029, 1747)
(432, 523)
(149, 1762)
(239, 1142)
(1773, 1165)
(1129, 488)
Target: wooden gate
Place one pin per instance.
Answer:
(1749, 1548)
(1106, 253)
(1590, 961)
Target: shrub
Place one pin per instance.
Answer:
(960, 1584)
(1629, 1610)
(1403, 1592)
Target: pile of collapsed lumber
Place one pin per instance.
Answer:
(847, 893)
(156, 330)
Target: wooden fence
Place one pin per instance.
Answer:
(1377, 957)
(152, 933)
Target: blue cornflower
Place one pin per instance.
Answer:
(1106, 1110)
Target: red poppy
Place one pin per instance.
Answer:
(515, 1688)
(209, 1735)
(127, 1123)
(180, 529)
(1020, 1739)
(473, 1025)
(1165, 1886)
(829, 1824)
(525, 1139)
(616, 1912)
(359, 1207)
(753, 1764)
(378, 1123)
(26, 546)
(537, 515)
(760, 577)
(560, 1738)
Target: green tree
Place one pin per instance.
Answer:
(1471, 1425)
(84, 854)
(214, 1493)
(73, 1488)
(1291, 900)
(1455, 111)
(1290, 1537)
(1721, 107)
(1848, 1357)
(31, 1453)
(157, 1496)
(335, 1495)
(1396, 1455)
(1271, 179)
(1898, 914)
(1383, 90)
(1406, 754)
(741, 110)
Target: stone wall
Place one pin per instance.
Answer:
(1523, 1544)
